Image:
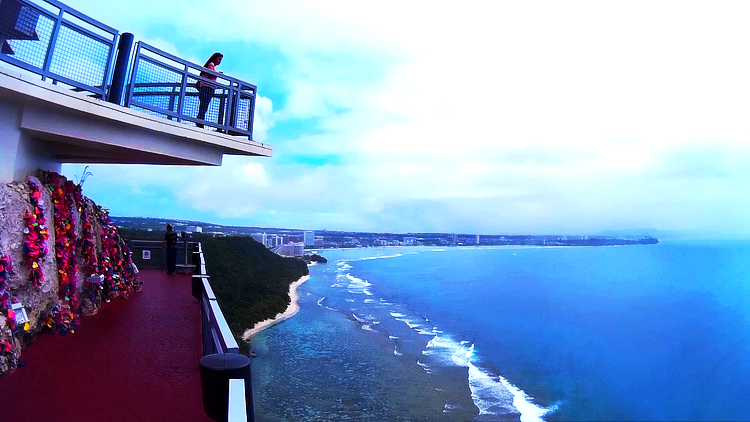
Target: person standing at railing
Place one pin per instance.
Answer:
(206, 89)
(170, 238)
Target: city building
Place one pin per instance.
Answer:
(410, 241)
(194, 229)
(309, 239)
(260, 238)
(274, 240)
(295, 249)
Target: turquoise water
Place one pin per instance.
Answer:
(656, 332)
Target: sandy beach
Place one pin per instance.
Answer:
(292, 309)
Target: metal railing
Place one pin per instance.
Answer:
(58, 43)
(153, 253)
(237, 401)
(218, 338)
(167, 86)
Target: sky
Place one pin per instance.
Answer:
(474, 117)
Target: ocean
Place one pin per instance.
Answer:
(652, 332)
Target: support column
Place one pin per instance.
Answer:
(21, 155)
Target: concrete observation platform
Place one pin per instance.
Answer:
(44, 125)
(135, 360)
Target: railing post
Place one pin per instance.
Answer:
(222, 105)
(183, 89)
(196, 260)
(124, 47)
(52, 43)
(233, 101)
(251, 113)
(133, 75)
(216, 371)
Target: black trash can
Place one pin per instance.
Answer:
(216, 371)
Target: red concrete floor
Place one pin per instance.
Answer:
(135, 360)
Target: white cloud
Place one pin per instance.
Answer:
(264, 118)
(493, 116)
(252, 174)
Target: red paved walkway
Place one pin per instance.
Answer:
(136, 360)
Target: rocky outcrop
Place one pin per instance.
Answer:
(86, 262)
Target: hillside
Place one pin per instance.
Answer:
(251, 283)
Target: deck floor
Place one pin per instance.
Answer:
(135, 360)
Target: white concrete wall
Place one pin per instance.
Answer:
(20, 154)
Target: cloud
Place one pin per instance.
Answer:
(264, 118)
(252, 174)
(484, 116)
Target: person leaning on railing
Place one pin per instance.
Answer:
(205, 89)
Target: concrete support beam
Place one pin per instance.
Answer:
(78, 135)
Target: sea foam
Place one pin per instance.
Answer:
(496, 395)
(357, 285)
(492, 394)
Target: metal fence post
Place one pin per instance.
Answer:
(52, 43)
(133, 74)
(124, 47)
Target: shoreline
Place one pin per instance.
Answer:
(290, 311)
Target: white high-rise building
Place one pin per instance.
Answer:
(309, 239)
(410, 241)
(260, 237)
(290, 249)
(275, 240)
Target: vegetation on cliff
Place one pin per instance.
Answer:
(251, 283)
(309, 259)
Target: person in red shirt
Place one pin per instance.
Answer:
(206, 89)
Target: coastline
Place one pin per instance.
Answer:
(292, 309)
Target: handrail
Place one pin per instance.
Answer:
(157, 252)
(56, 45)
(59, 43)
(237, 402)
(218, 338)
(167, 85)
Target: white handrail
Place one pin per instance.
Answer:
(237, 404)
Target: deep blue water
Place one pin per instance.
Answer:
(656, 332)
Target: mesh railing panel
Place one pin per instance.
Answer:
(244, 112)
(157, 86)
(147, 111)
(80, 57)
(25, 33)
(214, 105)
(192, 102)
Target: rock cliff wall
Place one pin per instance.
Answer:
(60, 257)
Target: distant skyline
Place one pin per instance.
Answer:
(481, 117)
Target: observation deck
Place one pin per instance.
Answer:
(74, 90)
(135, 360)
